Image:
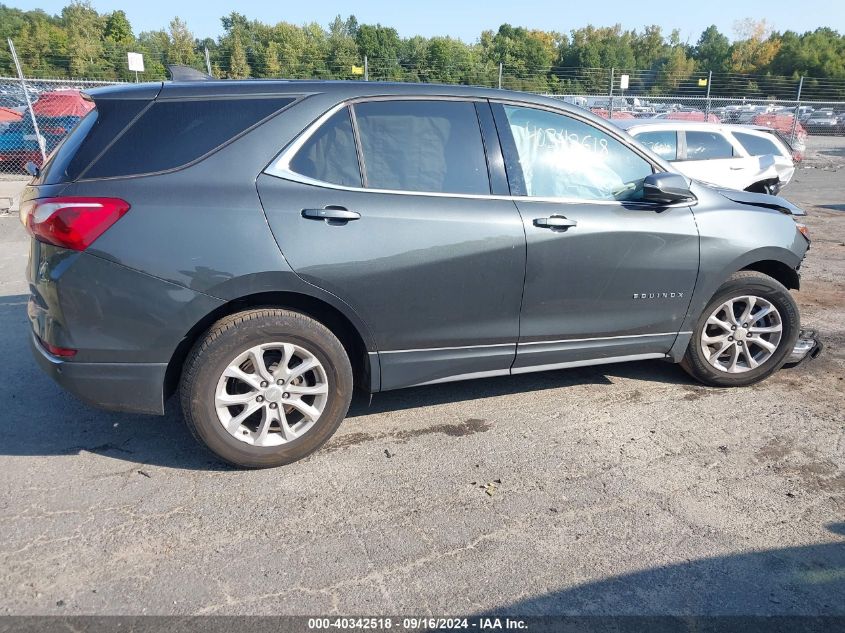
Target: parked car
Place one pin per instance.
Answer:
(56, 113)
(617, 114)
(822, 122)
(781, 125)
(261, 247)
(7, 117)
(688, 115)
(723, 155)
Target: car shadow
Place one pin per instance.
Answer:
(446, 393)
(786, 589)
(67, 426)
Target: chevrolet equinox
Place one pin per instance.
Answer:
(261, 247)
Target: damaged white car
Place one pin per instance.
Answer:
(734, 156)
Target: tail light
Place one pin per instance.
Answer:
(55, 350)
(71, 222)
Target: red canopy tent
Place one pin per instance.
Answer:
(62, 103)
(693, 116)
(7, 115)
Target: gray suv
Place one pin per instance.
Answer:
(262, 247)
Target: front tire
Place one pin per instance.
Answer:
(266, 387)
(745, 333)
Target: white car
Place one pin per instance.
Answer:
(744, 157)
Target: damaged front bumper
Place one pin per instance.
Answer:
(807, 346)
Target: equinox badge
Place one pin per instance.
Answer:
(658, 295)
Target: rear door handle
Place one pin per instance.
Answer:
(555, 222)
(331, 213)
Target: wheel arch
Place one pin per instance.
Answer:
(777, 270)
(357, 344)
(779, 263)
(762, 186)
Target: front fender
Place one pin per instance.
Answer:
(736, 231)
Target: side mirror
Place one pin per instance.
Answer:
(32, 169)
(667, 188)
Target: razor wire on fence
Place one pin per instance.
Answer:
(37, 111)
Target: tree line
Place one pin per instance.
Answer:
(80, 42)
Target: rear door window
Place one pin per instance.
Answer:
(329, 154)
(707, 145)
(171, 134)
(419, 145)
(757, 145)
(664, 143)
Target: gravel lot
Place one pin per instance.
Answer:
(614, 490)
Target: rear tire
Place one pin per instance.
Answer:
(727, 350)
(266, 387)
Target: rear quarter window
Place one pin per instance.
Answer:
(171, 134)
(757, 145)
(329, 154)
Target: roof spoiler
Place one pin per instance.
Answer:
(180, 72)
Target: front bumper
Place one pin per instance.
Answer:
(132, 387)
(807, 346)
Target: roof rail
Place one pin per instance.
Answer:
(180, 72)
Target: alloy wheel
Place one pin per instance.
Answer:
(271, 394)
(741, 334)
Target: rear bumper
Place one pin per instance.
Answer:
(131, 387)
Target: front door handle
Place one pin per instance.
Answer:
(555, 222)
(331, 213)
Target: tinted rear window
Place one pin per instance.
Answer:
(170, 134)
(432, 146)
(89, 138)
(757, 145)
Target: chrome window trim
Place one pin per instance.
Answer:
(280, 166)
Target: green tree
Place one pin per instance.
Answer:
(272, 67)
(181, 46)
(377, 41)
(342, 51)
(118, 30)
(85, 38)
(755, 47)
(712, 51)
(676, 68)
(649, 47)
(238, 65)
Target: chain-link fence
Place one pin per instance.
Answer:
(793, 120)
(31, 128)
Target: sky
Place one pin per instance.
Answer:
(466, 20)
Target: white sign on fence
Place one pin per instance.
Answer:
(136, 62)
(623, 81)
